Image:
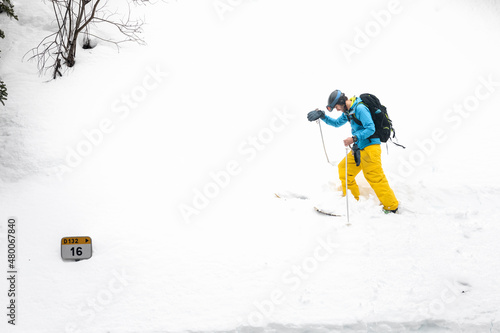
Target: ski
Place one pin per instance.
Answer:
(321, 211)
(290, 195)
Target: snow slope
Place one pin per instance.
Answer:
(169, 156)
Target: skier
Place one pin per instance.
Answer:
(365, 153)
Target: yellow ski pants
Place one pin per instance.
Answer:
(371, 164)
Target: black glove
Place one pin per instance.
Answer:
(356, 152)
(315, 115)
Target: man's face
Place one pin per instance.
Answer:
(339, 107)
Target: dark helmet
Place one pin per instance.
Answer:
(333, 99)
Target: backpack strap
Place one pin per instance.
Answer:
(394, 137)
(399, 145)
(356, 120)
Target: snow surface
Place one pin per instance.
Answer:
(216, 104)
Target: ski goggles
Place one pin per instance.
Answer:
(330, 107)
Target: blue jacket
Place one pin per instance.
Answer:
(363, 131)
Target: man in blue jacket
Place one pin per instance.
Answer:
(366, 153)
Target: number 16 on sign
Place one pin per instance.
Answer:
(76, 248)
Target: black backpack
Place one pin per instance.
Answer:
(383, 124)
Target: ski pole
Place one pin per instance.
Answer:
(323, 140)
(346, 194)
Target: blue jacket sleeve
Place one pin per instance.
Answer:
(364, 116)
(335, 122)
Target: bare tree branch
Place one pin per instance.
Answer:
(74, 17)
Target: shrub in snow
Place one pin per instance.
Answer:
(76, 17)
(8, 8)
